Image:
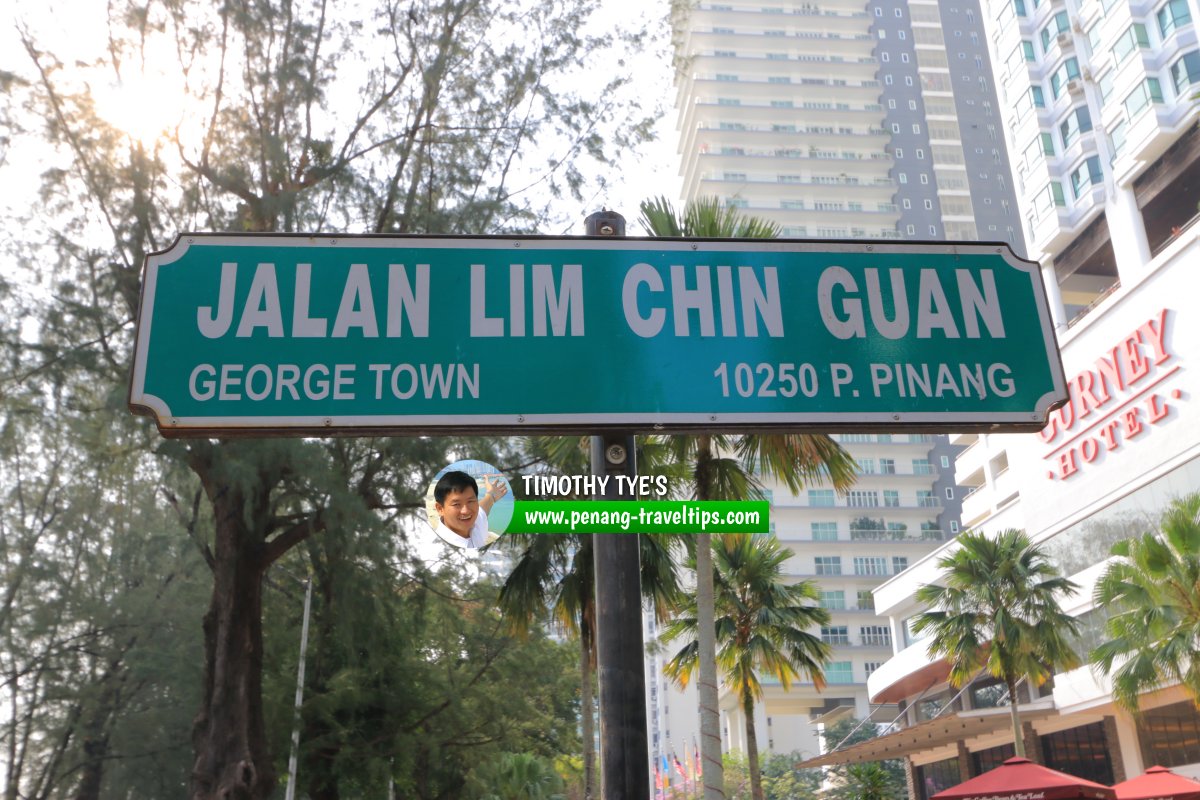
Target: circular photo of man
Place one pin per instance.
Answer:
(469, 504)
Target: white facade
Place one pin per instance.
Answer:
(1093, 92)
(843, 119)
(847, 545)
(1102, 470)
(779, 114)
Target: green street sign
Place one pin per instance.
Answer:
(303, 334)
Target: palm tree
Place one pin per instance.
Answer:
(1153, 592)
(761, 625)
(999, 610)
(792, 458)
(519, 776)
(869, 781)
(555, 574)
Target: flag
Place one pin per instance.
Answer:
(657, 777)
(678, 766)
(696, 756)
(666, 772)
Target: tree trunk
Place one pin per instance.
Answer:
(229, 734)
(1018, 739)
(586, 708)
(710, 718)
(756, 790)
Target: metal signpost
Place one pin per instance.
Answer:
(274, 334)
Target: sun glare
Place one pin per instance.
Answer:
(149, 102)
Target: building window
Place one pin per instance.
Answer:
(820, 497)
(916, 127)
(928, 204)
(945, 462)
(875, 636)
(1172, 15)
(899, 152)
(1185, 71)
(936, 777)
(925, 499)
(828, 565)
(859, 498)
(1059, 23)
(866, 600)
(954, 526)
(870, 565)
(884, 57)
(824, 531)
(991, 758)
(912, 230)
(1170, 735)
(871, 666)
(895, 127)
(1133, 37)
(833, 600)
(924, 178)
(1068, 71)
(903, 177)
(949, 493)
(899, 564)
(1148, 91)
(907, 203)
(921, 466)
(1088, 174)
(1080, 120)
(1081, 751)
(904, 57)
(835, 634)
(839, 672)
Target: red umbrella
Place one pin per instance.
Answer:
(1021, 779)
(1158, 783)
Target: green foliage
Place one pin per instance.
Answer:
(877, 780)
(300, 117)
(762, 621)
(1151, 591)
(780, 778)
(762, 625)
(419, 690)
(999, 610)
(517, 776)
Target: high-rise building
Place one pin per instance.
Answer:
(1097, 103)
(843, 120)
(904, 505)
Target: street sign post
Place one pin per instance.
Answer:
(312, 334)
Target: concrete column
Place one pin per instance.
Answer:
(910, 779)
(965, 767)
(1033, 749)
(1113, 738)
(1058, 311)
(1128, 233)
(1125, 746)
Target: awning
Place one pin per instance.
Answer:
(1158, 782)
(1021, 779)
(930, 734)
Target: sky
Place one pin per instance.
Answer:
(77, 27)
